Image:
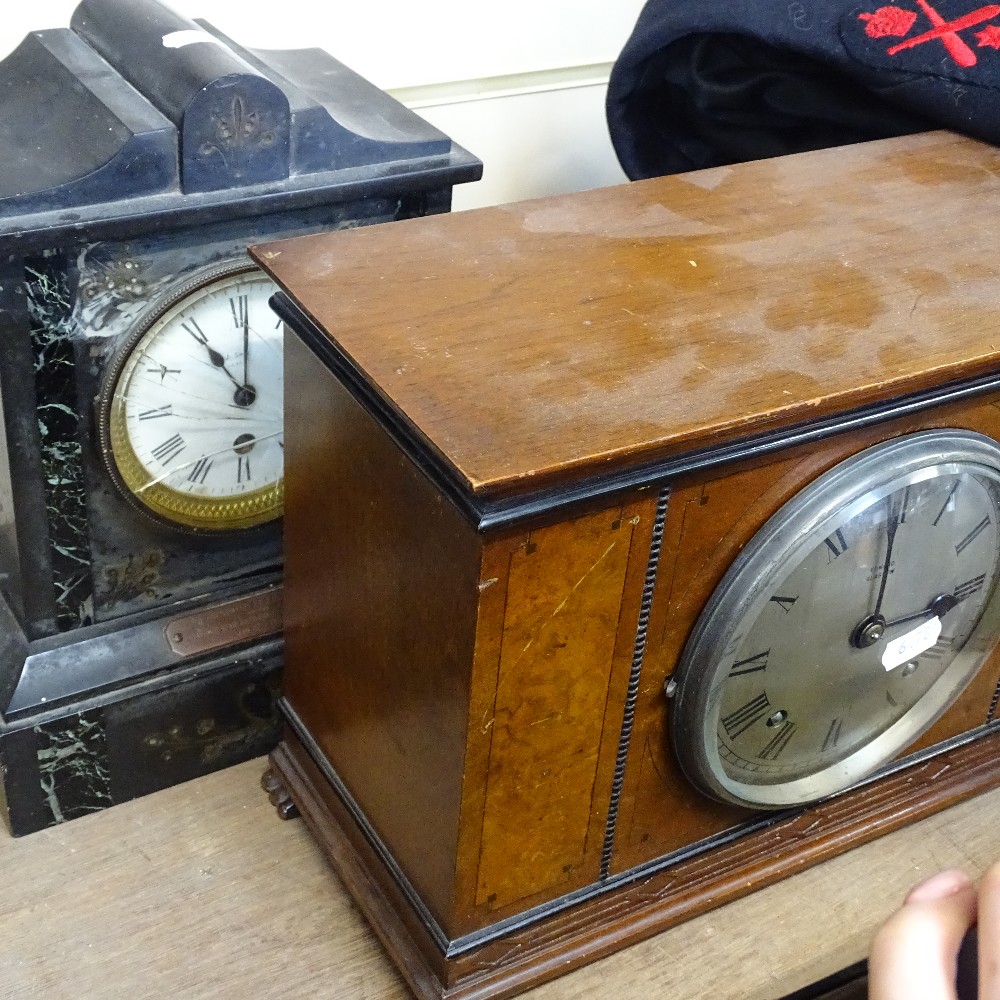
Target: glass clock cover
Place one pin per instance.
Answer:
(191, 414)
(848, 624)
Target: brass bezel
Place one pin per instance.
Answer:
(133, 481)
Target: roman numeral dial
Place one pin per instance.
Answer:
(740, 720)
(836, 544)
(846, 625)
(751, 665)
(191, 415)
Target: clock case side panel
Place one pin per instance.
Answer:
(381, 599)
(714, 515)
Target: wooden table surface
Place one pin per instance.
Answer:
(200, 891)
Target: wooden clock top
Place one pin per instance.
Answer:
(540, 343)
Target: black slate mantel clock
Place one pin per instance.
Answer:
(141, 477)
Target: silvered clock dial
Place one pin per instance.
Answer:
(848, 624)
(190, 416)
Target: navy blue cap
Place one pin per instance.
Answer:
(709, 82)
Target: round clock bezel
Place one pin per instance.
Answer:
(253, 510)
(774, 551)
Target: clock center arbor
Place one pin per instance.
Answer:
(141, 460)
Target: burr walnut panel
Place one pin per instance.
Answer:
(564, 599)
(567, 641)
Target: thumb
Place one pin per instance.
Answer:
(914, 954)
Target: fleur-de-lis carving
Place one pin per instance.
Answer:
(238, 128)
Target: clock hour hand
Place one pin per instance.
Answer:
(245, 393)
(940, 606)
(213, 355)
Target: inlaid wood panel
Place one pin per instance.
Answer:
(565, 596)
(546, 720)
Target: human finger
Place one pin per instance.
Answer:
(914, 954)
(989, 934)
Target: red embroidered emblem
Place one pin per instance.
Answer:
(888, 22)
(896, 22)
(989, 38)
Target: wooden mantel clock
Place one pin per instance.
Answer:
(642, 545)
(140, 367)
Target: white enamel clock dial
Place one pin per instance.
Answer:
(191, 415)
(848, 624)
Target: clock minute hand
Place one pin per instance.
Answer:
(872, 627)
(246, 394)
(246, 347)
(890, 529)
(220, 362)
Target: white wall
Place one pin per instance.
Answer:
(520, 83)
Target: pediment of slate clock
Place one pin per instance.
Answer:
(107, 112)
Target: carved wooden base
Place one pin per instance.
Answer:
(556, 941)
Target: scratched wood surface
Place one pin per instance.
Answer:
(539, 342)
(200, 892)
(564, 602)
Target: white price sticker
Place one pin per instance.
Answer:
(191, 36)
(915, 642)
